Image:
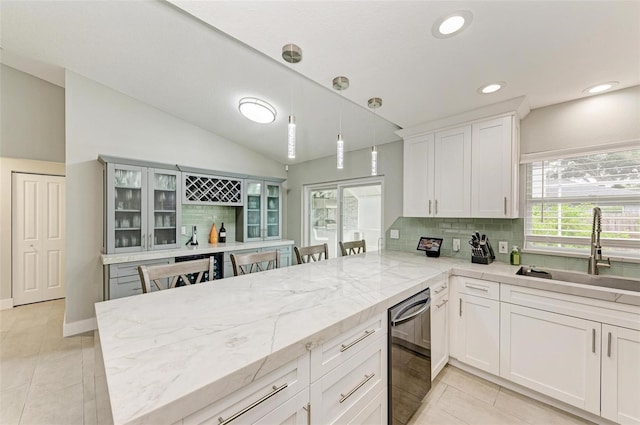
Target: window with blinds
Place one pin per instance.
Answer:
(561, 194)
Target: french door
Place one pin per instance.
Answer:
(344, 211)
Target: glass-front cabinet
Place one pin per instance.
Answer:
(261, 217)
(142, 211)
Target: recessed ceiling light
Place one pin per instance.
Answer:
(452, 24)
(492, 88)
(257, 110)
(600, 87)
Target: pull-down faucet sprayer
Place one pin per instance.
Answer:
(595, 259)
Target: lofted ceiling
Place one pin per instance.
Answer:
(196, 59)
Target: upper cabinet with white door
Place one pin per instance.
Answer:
(141, 207)
(465, 171)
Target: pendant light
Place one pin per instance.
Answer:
(340, 84)
(374, 103)
(292, 54)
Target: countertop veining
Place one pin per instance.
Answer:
(170, 353)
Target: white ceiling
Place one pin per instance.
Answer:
(549, 51)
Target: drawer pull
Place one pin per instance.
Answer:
(307, 408)
(235, 416)
(442, 288)
(351, 344)
(479, 288)
(609, 345)
(442, 303)
(593, 341)
(357, 387)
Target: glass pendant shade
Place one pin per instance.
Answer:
(291, 139)
(340, 152)
(374, 161)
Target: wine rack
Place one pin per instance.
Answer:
(211, 190)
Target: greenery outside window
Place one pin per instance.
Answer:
(561, 194)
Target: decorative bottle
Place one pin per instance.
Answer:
(213, 235)
(223, 234)
(515, 256)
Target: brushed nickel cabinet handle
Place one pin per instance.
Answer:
(609, 345)
(593, 340)
(236, 415)
(429, 206)
(344, 348)
(505, 205)
(366, 379)
(143, 240)
(442, 303)
(478, 288)
(307, 408)
(436, 207)
(442, 288)
(460, 307)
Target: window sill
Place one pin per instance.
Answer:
(575, 255)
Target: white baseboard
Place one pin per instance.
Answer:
(79, 326)
(530, 393)
(6, 304)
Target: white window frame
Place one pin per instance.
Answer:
(609, 245)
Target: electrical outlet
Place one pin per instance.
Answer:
(503, 247)
(456, 245)
(183, 230)
(394, 234)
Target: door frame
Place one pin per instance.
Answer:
(339, 185)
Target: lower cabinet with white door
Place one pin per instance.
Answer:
(439, 343)
(475, 323)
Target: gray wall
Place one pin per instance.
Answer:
(100, 120)
(590, 121)
(356, 164)
(32, 117)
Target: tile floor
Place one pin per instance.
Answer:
(49, 380)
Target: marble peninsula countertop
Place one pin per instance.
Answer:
(203, 248)
(170, 353)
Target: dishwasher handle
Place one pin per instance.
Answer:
(397, 320)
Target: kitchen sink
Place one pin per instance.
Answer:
(582, 278)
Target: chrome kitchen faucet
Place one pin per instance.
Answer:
(595, 259)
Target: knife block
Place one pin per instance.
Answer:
(481, 260)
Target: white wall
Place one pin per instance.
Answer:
(590, 121)
(32, 117)
(100, 120)
(356, 164)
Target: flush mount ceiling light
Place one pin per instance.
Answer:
(257, 110)
(599, 88)
(340, 84)
(492, 87)
(292, 54)
(452, 24)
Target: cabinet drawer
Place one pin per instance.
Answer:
(480, 288)
(373, 413)
(350, 387)
(124, 287)
(131, 269)
(256, 400)
(341, 348)
(439, 289)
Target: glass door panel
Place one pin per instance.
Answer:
(323, 219)
(362, 214)
(127, 208)
(254, 209)
(164, 197)
(273, 210)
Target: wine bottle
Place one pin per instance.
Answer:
(213, 235)
(223, 234)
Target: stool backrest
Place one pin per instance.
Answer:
(152, 275)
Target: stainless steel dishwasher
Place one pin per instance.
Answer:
(409, 356)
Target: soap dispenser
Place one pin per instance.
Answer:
(515, 256)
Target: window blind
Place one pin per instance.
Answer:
(561, 194)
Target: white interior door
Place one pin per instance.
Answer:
(38, 238)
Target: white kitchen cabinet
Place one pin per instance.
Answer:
(452, 178)
(142, 209)
(494, 168)
(553, 354)
(467, 171)
(261, 216)
(278, 397)
(439, 327)
(418, 176)
(621, 374)
(475, 323)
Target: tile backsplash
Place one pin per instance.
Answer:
(510, 230)
(203, 216)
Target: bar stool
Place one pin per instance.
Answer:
(309, 254)
(255, 262)
(153, 274)
(354, 247)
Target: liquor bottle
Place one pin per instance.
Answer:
(213, 235)
(223, 234)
